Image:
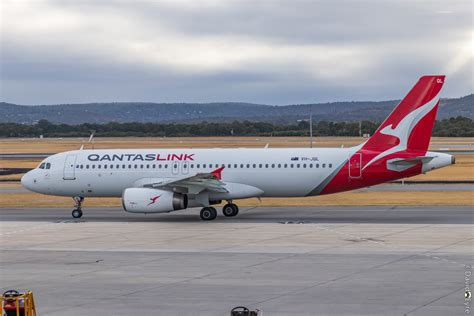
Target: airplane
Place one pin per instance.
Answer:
(167, 180)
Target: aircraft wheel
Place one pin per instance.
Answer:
(230, 210)
(208, 213)
(77, 213)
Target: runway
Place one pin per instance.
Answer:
(282, 260)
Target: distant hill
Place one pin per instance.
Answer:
(222, 112)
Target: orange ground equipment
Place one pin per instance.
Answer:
(15, 303)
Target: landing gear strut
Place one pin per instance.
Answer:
(208, 213)
(77, 212)
(230, 209)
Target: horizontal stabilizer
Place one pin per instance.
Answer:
(401, 164)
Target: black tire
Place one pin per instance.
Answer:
(230, 210)
(208, 213)
(76, 213)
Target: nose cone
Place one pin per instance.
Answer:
(27, 181)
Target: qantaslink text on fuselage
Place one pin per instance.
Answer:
(140, 157)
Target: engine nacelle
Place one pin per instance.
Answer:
(145, 200)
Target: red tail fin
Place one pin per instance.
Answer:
(409, 126)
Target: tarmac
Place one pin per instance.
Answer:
(281, 260)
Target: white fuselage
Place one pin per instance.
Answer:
(286, 172)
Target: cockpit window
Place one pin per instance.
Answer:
(42, 165)
(48, 165)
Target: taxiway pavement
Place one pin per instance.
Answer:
(282, 260)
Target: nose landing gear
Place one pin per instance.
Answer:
(77, 212)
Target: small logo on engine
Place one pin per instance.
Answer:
(153, 199)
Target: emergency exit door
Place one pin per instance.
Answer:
(355, 166)
(70, 167)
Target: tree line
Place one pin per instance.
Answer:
(453, 127)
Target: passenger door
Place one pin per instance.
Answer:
(355, 166)
(69, 172)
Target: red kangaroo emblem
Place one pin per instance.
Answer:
(153, 199)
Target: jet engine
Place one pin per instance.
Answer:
(145, 200)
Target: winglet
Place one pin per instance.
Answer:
(218, 173)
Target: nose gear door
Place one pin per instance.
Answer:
(70, 167)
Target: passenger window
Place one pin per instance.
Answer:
(273, 165)
(297, 165)
(192, 166)
(198, 166)
(304, 165)
(87, 166)
(111, 166)
(324, 165)
(291, 165)
(99, 166)
(148, 166)
(330, 165)
(105, 166)
(166, 166)
(311, 165)
(266, 165)
(93, 166)
(279, 165)
(204, 165)
(124, 166)
(254, 166)
(117, 166)
(260, 165)
(77, 166)
(317, 165)
(235, 165)
(285, 166)
(241, 165)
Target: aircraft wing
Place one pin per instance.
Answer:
(194, 184)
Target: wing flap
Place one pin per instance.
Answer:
(193, 184)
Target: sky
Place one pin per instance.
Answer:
(268, 52)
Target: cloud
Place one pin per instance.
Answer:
(273, 52)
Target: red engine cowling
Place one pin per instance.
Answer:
(145, 200)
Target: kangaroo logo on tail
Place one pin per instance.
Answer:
(404, 128)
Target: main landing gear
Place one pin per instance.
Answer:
(230, 210)
(210, 213)
(77, 212)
